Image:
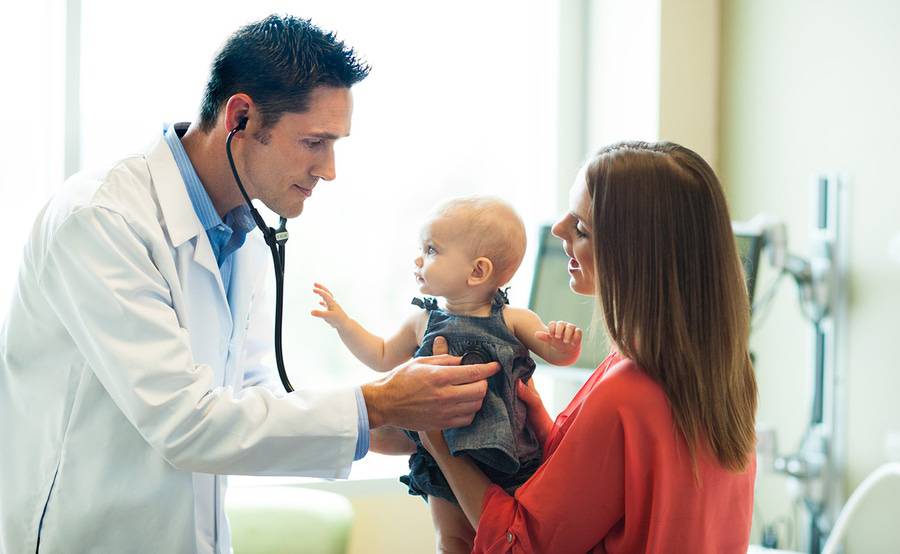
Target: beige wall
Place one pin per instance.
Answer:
(689, 75)
(812, 86)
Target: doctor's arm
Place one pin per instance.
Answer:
(100, 275)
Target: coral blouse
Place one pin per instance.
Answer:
(617, 477)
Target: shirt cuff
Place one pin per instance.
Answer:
(494, 533)
(362, 437)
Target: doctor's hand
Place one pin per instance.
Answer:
(332, 313)
(428, 393)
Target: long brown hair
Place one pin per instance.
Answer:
(670, 286)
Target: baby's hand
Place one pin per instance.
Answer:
(333, 314)
(561, 336)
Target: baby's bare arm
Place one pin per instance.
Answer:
(376, 352)
(559, 343)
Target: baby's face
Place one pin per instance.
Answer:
(445, 261)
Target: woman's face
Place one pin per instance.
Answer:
(575, 229)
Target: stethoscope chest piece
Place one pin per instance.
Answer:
(472, 357)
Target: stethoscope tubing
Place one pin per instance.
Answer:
(276, 239)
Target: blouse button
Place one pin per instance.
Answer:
(509, 536)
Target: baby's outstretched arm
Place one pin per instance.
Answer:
(372, 350)
(559, 342)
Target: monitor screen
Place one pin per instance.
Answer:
(553, 300)
(749, 247)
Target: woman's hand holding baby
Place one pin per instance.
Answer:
(538, 418)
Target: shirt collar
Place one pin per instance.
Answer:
(200, 199)
(240, 220)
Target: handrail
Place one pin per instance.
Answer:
(862, 491)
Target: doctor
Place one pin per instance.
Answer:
(130, 376)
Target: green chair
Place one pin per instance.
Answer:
(288, 519)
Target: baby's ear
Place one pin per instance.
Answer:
(482, 271)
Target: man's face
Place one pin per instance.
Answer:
(282, 164)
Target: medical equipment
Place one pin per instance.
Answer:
(275, 238)
(813, 469)
(550, 297)
(882, 474)
(750, 238)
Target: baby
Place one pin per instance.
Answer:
(470, 247)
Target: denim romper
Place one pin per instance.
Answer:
(497, 439)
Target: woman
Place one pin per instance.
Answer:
(656, 452)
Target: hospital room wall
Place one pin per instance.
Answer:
(810, 86)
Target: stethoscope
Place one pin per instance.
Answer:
(275, 238)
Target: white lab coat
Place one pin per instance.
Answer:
(117, 395)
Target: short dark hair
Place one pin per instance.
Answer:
(278, 61)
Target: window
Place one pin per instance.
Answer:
(461, 100)
(31, 144)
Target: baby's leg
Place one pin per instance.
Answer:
(454, 532)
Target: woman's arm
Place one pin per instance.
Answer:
(466, 480)
(559, 342)
(372, 350)
(568, 505)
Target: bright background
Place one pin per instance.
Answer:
(462, 100)
(507, 98)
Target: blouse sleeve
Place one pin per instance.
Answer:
(574, 499)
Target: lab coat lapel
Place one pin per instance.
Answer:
(178, 215)
(205, 258)
(204, 307)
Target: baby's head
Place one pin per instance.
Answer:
(470, 247)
